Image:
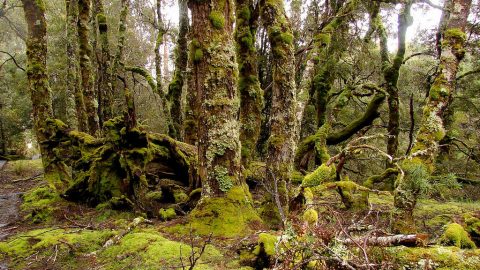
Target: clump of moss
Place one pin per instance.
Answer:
(217, 19)
(266, 242)
(473, 227)
(322, 174)
(167, 214)
(44, 241)
(39, 204)
(228, 216)
(148, 248)
(310, 216)
(456, 235)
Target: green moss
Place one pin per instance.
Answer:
(286, 38)
(154, 195)
(297, 177)
(445, 258)
(217, 19)
(473, 225)
(149, 249)
(455, 33)
(228, 216)
(180, 196)
(221, 175)
(321, 175)
(198, 55)
(310, 216)
(266, 242)
(456, 235)
(167, 214)
(40, 204)
(43, 242)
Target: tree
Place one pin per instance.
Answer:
(56, 172)
(421, 162)
(85, 55)
(215, 78)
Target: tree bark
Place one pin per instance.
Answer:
(56, 172)
(281, 143)
(85, 54)
(104, 65)
(251, 95)
(175, 89)
(122, 28)
(73, 87)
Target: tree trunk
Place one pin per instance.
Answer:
(215, 78)
(175, 89)
(56, 173)
(73, 87)
(158, 67)
(281, 143)
(104, 65)
(422, 158)
(91, 104)
(117, 60)
(251, 95)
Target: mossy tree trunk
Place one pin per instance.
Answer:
(104, 65)
(73, 87)
(56, 172)
(391, 71)
(281, 143)
(175, 88)
(161, 31)
(421, 161)
(251, 95)
(85, 54)
(117, 59)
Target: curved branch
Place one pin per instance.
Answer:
(14, 60)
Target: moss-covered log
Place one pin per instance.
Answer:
(56, 172)
(251, 95)
(422, 158)
(85, 54)
(128, 168)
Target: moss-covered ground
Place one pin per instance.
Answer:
(52, 233)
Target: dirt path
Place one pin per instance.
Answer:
(2, 163)
(9, 212)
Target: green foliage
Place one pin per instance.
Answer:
(310, 216)
(266, 242)
(456, 235)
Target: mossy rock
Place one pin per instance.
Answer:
(455, 235)
(167, 214)
(39, 204)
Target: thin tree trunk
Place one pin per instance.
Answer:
(118, 58)
(56, 172)
(73, 87)
(281, 143)
(251, 95)
(175, 89)
(91, 104)
(432, 129)
(105, 88)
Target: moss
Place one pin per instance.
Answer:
(223, 178)
(266, 242)
(217, 19)
(456, 235)
(167, 214)
(40, 204)
(444, 258)
(154, 195)
(44, 241)
(297, 177)
(148, 248)
(455, 33)
(228, 216)
(180, 196)
(472, 225)
(321, 175)
(198, 55)
(310, 216)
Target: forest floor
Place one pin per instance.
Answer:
(40, 230)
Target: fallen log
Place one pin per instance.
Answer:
(409, 240)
